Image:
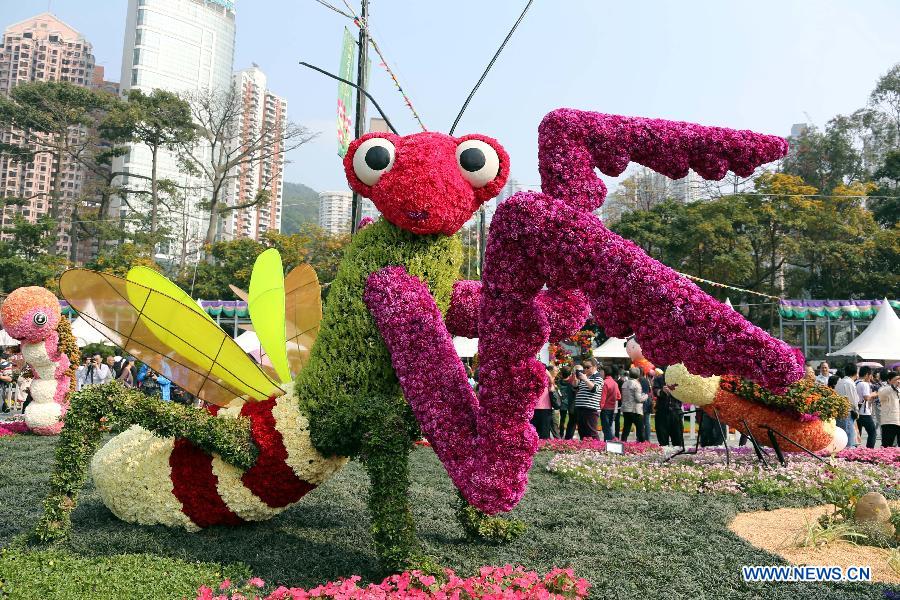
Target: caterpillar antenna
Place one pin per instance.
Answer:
(490, 64)
(368, 95)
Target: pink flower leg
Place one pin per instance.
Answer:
(487, 447)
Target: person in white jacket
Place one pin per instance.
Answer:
(633, 398)
(95, 373)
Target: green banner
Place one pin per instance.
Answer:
(345, 94)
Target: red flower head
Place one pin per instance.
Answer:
(427, 182)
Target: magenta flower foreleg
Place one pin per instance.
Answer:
(566, 310)
(631, 293)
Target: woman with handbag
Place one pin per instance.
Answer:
(633, 398)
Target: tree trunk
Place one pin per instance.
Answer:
(154, 194)
(213, 227)
(55, 200)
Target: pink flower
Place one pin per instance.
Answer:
(256, 582)
(226, 583)
(204, 593)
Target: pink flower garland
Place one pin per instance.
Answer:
(506, 583)
(487, 463)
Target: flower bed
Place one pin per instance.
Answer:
(492, 582)
(707, 473)
(876, 456)
(12, 428)
(573, 445)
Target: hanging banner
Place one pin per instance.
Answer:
(345, 94)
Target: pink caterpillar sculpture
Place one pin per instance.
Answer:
(32, 315)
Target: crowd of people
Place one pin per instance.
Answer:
(16, 378)
(124, 369)
(592, 399)
(873, 402)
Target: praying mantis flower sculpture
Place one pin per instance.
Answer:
(32, 315)
(383, 370)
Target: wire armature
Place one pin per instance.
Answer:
(490, 64)
(350, 83)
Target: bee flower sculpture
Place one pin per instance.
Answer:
(382, 371)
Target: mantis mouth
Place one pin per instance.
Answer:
(419, 215)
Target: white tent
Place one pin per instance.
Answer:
(85, 334)
(465, 347)
(879, 341)
(248, 341)
(611, 348)
(6, 339)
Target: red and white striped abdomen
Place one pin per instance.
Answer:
(147, 479)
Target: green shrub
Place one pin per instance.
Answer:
(482, 527)
(349, 390)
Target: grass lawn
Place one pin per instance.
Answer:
(628, 544)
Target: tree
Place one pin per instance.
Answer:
(119, 259)
(26, 259)
(886, 205)
(223, 148)
(886, 97)
(232, 264)
(652, 229)
(159, 120)
(825, 159)
(324, 250)
(642, 190)
(52, 118)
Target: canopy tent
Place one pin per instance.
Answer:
(834, 309)
(465, 347)
(880, 340)
(611, 348)
(85, 334)
(6, 339)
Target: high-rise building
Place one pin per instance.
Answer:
(42, 48)
(263, 115)
(179, 46)
(334, 211)
(99, 81)
(687, 189)
(367, 210)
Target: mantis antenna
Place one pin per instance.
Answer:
(490, 64)
(342, 80)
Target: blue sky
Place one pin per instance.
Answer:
(759, 65)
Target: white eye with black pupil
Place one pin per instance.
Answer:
(39, 319)
(478, 162)
(373, 158)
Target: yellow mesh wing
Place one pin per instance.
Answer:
(303, 313)
(171, 337)
(265, 301)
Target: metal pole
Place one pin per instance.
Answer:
(482, 239)
(361, 81)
